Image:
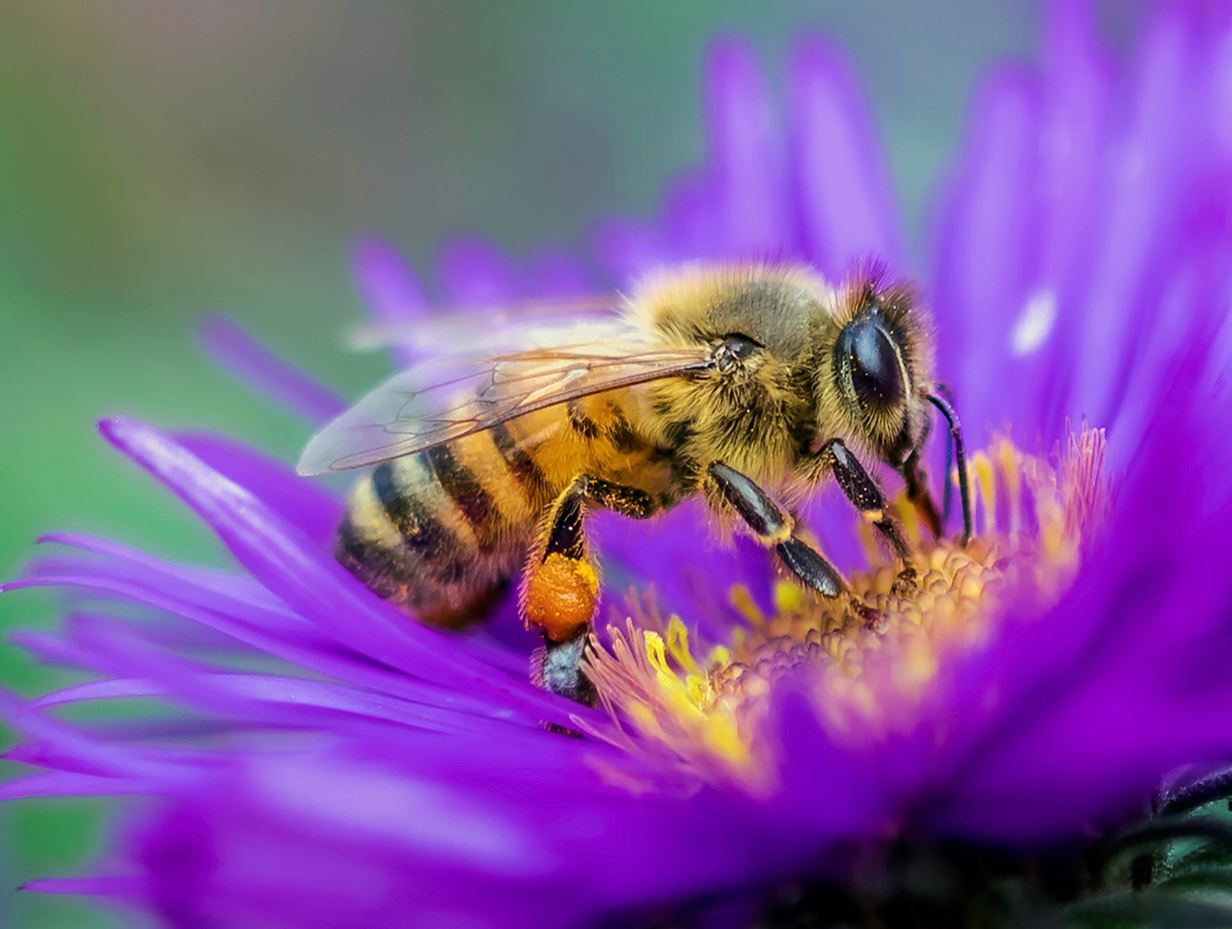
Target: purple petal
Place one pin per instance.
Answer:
(389, 288)
(196, 606)
(70, 784)
(556, 273)
(1076, 98)
(988, 250)
(1138, 197)
(747, 161)
(1120, 656)
(629, 249)
(271, 700)
(841, 180)
(312, 583)
(252, 364)
(51, 649)
(313, 510)
(94, 886)
(76, 751)
(217, 590)
(475, 275)
(1028, 342)
(276, 847)
(693, 577)
(690, 218)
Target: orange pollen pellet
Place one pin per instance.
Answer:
(560, 597)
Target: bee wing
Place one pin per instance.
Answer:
(402, 417)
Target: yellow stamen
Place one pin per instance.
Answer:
(744, 603)
(986, 481)
(678, 645)
(909, 519)
(1011, 477)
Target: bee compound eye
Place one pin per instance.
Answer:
(873, 364)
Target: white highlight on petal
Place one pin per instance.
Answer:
(1034, 323)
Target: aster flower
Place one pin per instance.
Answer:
(757, 758)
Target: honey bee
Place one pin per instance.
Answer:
(746, 385)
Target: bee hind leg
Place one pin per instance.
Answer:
(560, 592)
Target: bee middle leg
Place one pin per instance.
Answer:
(773, 528)
(867, 497)
(560, 592)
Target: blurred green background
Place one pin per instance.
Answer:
(160, 158)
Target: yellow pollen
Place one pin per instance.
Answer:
(869, 656)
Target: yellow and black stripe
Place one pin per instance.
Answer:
(421, 531)
(440, 532)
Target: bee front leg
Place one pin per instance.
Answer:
(773, 528)
(560, 591)
(867, 497)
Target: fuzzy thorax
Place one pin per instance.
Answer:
(868, 661)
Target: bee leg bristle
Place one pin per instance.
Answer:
(560, 589)
(565, 534)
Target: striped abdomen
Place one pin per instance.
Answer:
(442, 531)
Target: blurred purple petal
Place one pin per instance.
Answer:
(629, 249)
(555, 273)
(313, 510)
(841, 182)
(1134, 247)
(389, 288)
(748, 161)
(279, 557)
(252, 364)
(690, 218)
(988, 251)
(475, 275)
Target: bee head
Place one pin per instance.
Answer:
(876, 371)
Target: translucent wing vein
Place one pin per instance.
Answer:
(403, 416)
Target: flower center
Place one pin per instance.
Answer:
(868, 657)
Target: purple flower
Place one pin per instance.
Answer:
(756, 757)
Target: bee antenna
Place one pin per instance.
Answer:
(960, 457)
